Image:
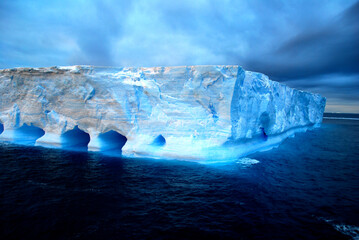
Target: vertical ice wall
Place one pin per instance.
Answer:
(263, 107)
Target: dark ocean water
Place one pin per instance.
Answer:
(307, 188)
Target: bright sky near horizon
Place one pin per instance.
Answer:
(309, 45)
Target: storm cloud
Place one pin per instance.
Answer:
(310, 45)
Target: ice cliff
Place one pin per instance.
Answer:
(192, 112)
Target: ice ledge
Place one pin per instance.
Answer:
(189, 112)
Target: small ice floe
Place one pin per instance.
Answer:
(247, 162)
(349, 230)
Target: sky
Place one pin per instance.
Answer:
(308, 45)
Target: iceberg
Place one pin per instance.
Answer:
(187, 112)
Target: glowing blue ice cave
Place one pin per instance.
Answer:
(159, 141)
(75, 139)
(112, 141)
(27, 134)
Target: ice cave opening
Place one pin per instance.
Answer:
(159, 141)
(75, 139)
(112, 141)
(28, 134)
(1, 128)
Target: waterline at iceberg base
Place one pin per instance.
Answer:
(189, 112)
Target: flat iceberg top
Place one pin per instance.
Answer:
(198, 112)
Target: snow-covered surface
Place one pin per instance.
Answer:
(201, 112)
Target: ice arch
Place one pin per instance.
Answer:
(159, 141)
(27, 134)
(75, 139)
(1, 128)
(111, 141)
